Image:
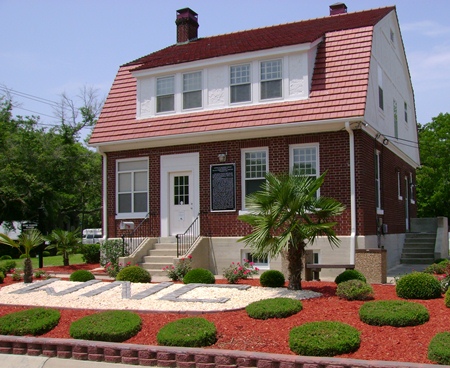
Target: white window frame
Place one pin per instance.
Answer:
(187, 89)
(132, 214)
(314, 146)
(378, 182)
(240, 80)
(399, 185)
(405, 107)
(159, 94)
(263, 78)
(380, 89)
(244, 168)
(411, 189)
(246, 254)
(395, 110)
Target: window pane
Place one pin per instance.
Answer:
(140, 202)
(125, 182)
(125, 203)
(165, 86)
(270, 70)
(255, 164)
(271, 89)
(132, 165)
(192, 99)
(305, 161)
(252, 186)
(140, 181)
(240, 74)
(165, 103)
(192, 82)
(240, 93)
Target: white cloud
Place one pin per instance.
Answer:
(427, 28)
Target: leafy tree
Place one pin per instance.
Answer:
(286, 215)
(66, 243)
(433, 177)
(28, 240)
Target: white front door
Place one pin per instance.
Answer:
(181, 202)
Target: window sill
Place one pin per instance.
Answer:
(400, 198)
(380, 211)
(137, 215)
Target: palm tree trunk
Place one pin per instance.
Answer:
(27, 271)
(295, 265)
(65, 258)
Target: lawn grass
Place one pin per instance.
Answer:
(51, 261)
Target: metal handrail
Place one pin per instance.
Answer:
(186, 240)
(135, 237)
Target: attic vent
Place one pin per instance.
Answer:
(338, 8)
(187, 25)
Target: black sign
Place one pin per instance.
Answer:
(223, 187)
(28, 225)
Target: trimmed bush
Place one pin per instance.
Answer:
(438, 268)
(349, 275)
(354, 290)
(188, 332)
(439, 348)
(9, 265)
(396, 313)
(81, 276)
(273, 308)
(134, 274)
(5, 257)
(272, 278)
(199, 276)
(90, 253)
(35, 321)
(418, 285)
(112, 326)
(2, 277)
(324, 338)
(447, 298)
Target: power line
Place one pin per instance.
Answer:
(31, 97)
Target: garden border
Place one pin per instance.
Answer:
(162, 356)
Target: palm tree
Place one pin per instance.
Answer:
(66, 242)
(28, 240)
(286, 215)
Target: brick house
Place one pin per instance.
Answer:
(188, 131)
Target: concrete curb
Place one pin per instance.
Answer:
(146, 355)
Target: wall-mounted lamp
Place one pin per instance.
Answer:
(222, 157)
(385, 141)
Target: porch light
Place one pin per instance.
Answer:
(222, 157)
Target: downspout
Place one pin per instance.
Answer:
(104, 196)
(352, 193)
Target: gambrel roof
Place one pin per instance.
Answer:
(338, 90)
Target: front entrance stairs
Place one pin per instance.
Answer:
(163, 254)
(418, 248)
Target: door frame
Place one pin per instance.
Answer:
(178, 163)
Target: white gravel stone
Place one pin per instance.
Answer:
(113, 298)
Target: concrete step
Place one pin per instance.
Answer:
(416, 260)
(158, 259)
(162, 253)
(418, 255)
(172, 246)
(418, 250)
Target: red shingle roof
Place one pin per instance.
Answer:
(338, 91)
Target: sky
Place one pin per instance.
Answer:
(50, 47)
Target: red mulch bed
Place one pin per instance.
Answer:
(237, 331)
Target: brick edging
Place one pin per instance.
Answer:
(163, 356)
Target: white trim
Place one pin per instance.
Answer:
(378, 177)
(352, 193)
(243, 167)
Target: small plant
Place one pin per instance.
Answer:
(177, 272)
(273, 308)
(40, 274)
(9, 266)
(418, 285)
(349, 275)
(437, 268)
(112, 326)
(354, 290)
(5, 257)
(81, 276)
(199, 276)
(90, 253)
(188, 332)
(2, 277)
(35, 321)
(447, 298)
(324, 338)
(110, 251)
(272, 278)
(396, 313)
(16, 275)
(439, 348)
(238, 271)
(134, 274)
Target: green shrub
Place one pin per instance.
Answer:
(22, 256)
(5, 257)
(9, 265)
(438, 268)
(447, 298)
(396, 313)
(90, 253)
(324, 338)
(46, 253)
(2, 277)
(35, 321)
(272, 278)
(418, 285)
(181, 268)
(113, 326)
(81, 276)
(41, 274)
(188, 332)
(439, 348)
(199, 276)
(111, 250)
(354, 290)
(349, 275)
(273, 308)
(134, 274)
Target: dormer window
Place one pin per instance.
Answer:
(165, 94)
(240, 87)
(192, 90)
(271, 79)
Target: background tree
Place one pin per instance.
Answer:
(433, 177)
(286, 215)
(66, 243)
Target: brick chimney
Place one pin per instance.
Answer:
(187, 25)
(338, 8)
